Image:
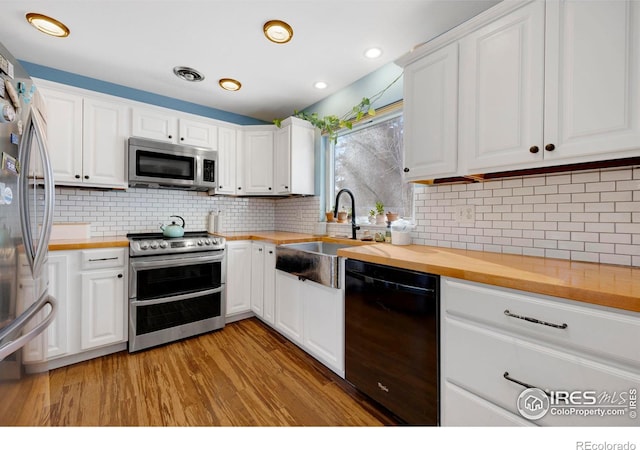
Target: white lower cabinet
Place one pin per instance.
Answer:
(238, 285)
(91, 293)
(312, 316)
(496, 343)
(263, 277)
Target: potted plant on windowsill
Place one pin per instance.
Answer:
(381, 218)
(372, 216)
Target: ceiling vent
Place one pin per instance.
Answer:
(188, 74)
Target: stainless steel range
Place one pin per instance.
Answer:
(176, 287)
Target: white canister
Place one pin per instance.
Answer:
(214, 222)
(400, 237)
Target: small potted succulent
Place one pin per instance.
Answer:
(372, 216)
(381, 218)
(342, 215)
(329, 215)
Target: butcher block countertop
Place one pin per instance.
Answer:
(284, 237)
(94, 242)
(600, 284)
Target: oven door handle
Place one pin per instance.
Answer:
(176, 298)
(176, 262)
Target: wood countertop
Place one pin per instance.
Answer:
(599, 284)
(284, 237)
(95, 242)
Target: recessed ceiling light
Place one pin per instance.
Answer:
(320, 85)
(187, 73)
(230, 84)
(47, 25)
(278, 31)
(373, 53)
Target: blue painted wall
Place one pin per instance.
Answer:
(59, 76)
(342, 101)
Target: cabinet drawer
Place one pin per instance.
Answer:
(477, 359)
(462, 408)
(596, 330)
(102, 259)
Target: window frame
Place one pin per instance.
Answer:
(391, 112)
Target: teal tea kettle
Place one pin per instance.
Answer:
(174, 230)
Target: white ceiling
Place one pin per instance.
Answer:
(136, 43)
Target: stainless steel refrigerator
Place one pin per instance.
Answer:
(26, 215)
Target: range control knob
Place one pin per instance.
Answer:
(207, 242)
(164, 244)
(200, 242)
(154, 245)
(144, 245)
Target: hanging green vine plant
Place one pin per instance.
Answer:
(330, 125)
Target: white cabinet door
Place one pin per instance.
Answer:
(227, 156)
(238, 277)
(154, 125)
(502, 91)
(592, 94)
(323, 323)
(282, 164)
(64, 134)
(57, 333)
(257, 278)
(288, 306)
(258, 161)
(269, 296)
(431, 116)
(102, 308)
(199, 134)
(106, 130)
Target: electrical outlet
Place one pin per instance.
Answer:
(465, 213)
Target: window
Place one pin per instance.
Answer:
(368, 161)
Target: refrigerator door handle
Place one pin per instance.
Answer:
(34, 128)
(17, 325)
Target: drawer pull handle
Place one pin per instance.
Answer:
(103, 259)
(533, 320)
(522, 383)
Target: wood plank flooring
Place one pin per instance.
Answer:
(243, 375)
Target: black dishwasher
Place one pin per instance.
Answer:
(391, 338)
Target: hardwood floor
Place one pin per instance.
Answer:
(243, 375)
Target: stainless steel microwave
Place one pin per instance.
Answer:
(158, 164)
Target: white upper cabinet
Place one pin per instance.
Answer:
(168, 127)
(257, 160)
(540, 84)
(431, 115)
(551, 83)
(227, 161)
(502, 91)
(294, 165)
(592, 80)
(87, 137)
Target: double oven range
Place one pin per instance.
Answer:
(176, 287)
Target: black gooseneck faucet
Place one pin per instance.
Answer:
(354, 227)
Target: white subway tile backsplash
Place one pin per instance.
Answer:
(587, 216)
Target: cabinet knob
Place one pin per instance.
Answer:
(534, 149)
(259, 249)
(219, 187)
(239, 188)
(406, 169)
(269, 188)
(77, 176)
(86, 177)
(549, 147)
(182, 139)
(170, 137)
(271, 252)
(286, 187)
(120, 275)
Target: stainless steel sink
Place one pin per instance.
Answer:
(316, 261)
